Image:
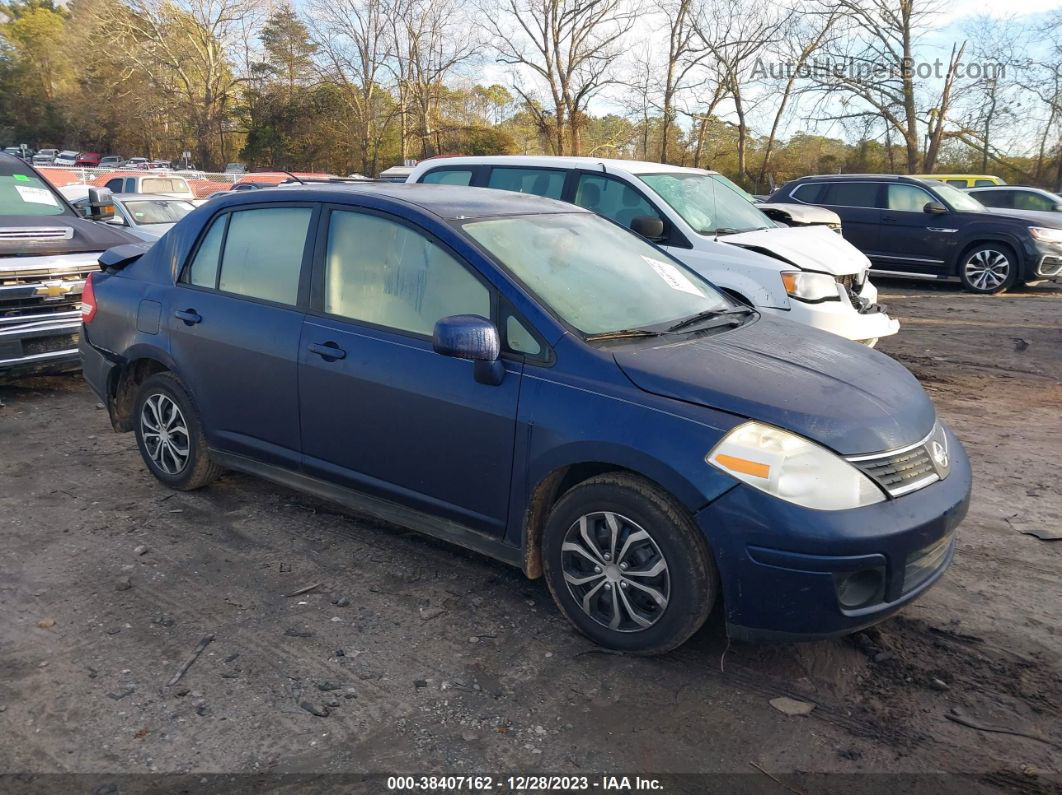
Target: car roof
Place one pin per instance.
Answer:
(860, 177)
(450, 202)
(559, 161)
(1007, 187)
(164, 197)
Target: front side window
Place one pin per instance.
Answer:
(852, 194)
(808, 192)
(596, 277)
(448, 176)
(1026, 200)
(538, 181)
(382, 272)
(114, 185)
(907, 198)
(707, 204)
(612, 199)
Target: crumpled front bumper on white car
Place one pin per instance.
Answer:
(866, 324)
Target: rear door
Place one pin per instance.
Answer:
(918, 241)
(235, 319)
(381, 411)
(859, 205)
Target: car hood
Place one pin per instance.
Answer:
(151, 232)
(801, 214)
(813, 248)
(1041, 217)
(35, 235)
(838, 393)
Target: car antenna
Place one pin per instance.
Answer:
(297, 179)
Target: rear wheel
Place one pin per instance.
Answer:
(988, 268)
(170, 436)
(626, 565)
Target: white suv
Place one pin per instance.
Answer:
(809, 274)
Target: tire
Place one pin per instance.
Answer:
(166, 423)
(651, 530)
(988, 268)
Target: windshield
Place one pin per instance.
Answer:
(595, 275)
(740, 191)
(707, 204)
(22, 194)
(157, 211)
(958, 199)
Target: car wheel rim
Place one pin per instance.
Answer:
(987, 269)
(615, 571)
(165, 434)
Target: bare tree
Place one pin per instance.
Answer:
(180, 47)
(354, 46)
(571, 46)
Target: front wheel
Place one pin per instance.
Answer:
(627, 566)
(988, 268)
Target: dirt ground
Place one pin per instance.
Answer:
(428, 658)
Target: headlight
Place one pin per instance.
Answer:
(792, 468)
(810, 286)
(1046, 234)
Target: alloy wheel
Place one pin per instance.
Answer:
(615, 571)
(987, 269)
(165, 433)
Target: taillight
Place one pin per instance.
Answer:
(88, 300)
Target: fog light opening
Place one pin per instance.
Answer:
(859, 588)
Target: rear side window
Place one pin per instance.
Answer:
(612, 199)
(259, 254)
(448, 176)
(382, 272)
(130, 184)
(852, 194)
(907, 198)
(808, 192)
(983, 183)
(538, 181)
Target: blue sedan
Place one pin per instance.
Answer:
(529, 380)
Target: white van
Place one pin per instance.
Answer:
(809, 274)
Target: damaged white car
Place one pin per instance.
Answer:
(809, 274)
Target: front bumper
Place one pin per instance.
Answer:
(842, 318)
(42, 346)
(780, 565)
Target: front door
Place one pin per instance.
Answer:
(381, 411)
(911, 237)
(235, 322)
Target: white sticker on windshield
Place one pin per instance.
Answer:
(676, 279)
(36, 195)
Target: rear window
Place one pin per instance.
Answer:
(22, 194)
(165, 185)
(851, 194)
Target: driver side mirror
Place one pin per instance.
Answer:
(1057, 208)
(474, 338)
(100, 205)
(935, 208)
(648, 226)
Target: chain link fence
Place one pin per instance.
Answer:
(202, 183)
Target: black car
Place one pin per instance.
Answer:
(923, 228)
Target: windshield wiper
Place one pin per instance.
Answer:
(622, 333)
(723, 230)
(708, 314)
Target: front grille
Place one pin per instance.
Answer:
(41, 291)
(923, 563)
(910, 468)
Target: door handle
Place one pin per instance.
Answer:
(189, 316)
(889, 218)
(328, 351)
